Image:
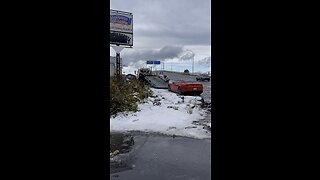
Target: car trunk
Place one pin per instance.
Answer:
(193, 87)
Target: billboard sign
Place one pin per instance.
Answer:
(121, 28)
(119, 38)
(156, 62)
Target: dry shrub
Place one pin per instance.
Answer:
(125, 95)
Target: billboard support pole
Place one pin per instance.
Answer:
(118, 69)
(118, 49)
(121, 33)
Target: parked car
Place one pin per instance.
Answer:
(164, 77)
(183, 87)
(203, 77)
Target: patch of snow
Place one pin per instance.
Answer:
(163, 118)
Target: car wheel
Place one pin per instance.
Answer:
(179, 91)
(169, 88)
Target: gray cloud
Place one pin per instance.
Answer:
(137, 64)
(206, 60)
(170, 52)
(186, 35)
(166, 52)
(185, 22)
(187, 55)
(162, 28)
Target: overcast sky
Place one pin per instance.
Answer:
(173, 31)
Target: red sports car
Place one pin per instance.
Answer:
(183, 87)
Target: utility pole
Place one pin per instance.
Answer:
(193, 65)
(162, 67)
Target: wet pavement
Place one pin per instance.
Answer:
(160, 157)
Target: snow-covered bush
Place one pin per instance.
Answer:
(125, 95)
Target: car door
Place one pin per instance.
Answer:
(177, 85)
(174, 87)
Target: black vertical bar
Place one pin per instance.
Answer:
(118, 68)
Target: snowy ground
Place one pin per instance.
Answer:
(165, 112)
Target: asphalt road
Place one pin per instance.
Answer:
(159, 157)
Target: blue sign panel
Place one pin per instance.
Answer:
(149, 62)
(153, 62)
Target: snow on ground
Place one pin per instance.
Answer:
(165, 112)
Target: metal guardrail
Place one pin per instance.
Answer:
(156, 82)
